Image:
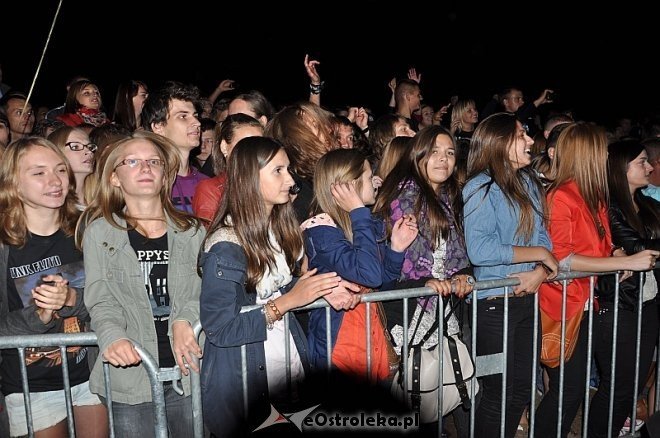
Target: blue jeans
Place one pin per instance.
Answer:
(138, 420)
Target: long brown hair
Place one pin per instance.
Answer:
(413, 168)
(108, 200)
(13, 222)
(291, 127)
(581, 156)
(240, 208)
(395, 150)
(338, 166)
(489, 154)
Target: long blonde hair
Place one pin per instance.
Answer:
(13, 222)
(336, 167)
(460, 108)
(581, 156)
(108, 200)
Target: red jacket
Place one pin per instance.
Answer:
(208, 194)
(572, 230)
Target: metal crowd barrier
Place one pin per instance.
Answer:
(496, 363)
(485, 365)
(156, 377)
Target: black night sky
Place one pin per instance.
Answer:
(599, 62)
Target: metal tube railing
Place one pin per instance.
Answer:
(493, 364)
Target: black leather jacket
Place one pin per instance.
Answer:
(625, 236)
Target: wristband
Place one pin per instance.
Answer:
(316, 88)
(365, 130)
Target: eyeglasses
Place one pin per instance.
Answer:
(135, 162)
(77, 146)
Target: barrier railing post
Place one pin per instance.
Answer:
(505, 352)
(535, 365)
(67, 392)
(638, 349)
(587, 385)
(196, 389)
(613, 371)
(157, 391)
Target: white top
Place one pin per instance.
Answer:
(268, 289)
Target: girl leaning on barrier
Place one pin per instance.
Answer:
(506, 237)
(424, 184)
(142, 284)
(345, 238)
(42, 289)
(250, 256)
(635, 225)
(581, 239)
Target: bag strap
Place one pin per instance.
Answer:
(458, 373)
(434, 326)
(416, 390)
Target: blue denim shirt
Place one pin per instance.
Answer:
(490, 231)
(652, 192)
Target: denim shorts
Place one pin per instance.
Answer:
(48, 408)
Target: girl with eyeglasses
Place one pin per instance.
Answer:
(79, 151)
(142, 282)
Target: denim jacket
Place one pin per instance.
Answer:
(490, 230)
(119, 305)
(224, 293)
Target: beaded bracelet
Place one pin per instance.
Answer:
(269, 321)
(275, 310)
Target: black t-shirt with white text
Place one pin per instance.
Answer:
(153, 256)
(41, 256)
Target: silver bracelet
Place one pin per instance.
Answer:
(565, 263)
(269, 321)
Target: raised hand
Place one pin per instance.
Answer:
(310, 66)
(361, 118)
(392, 84)
(184, 346)
(226, 85)
(352, 113)
(346, 197)
(404, 232)
(413, 76)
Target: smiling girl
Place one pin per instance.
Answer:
(505, 236)
(41, 271)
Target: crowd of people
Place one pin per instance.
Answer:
(176, 208)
